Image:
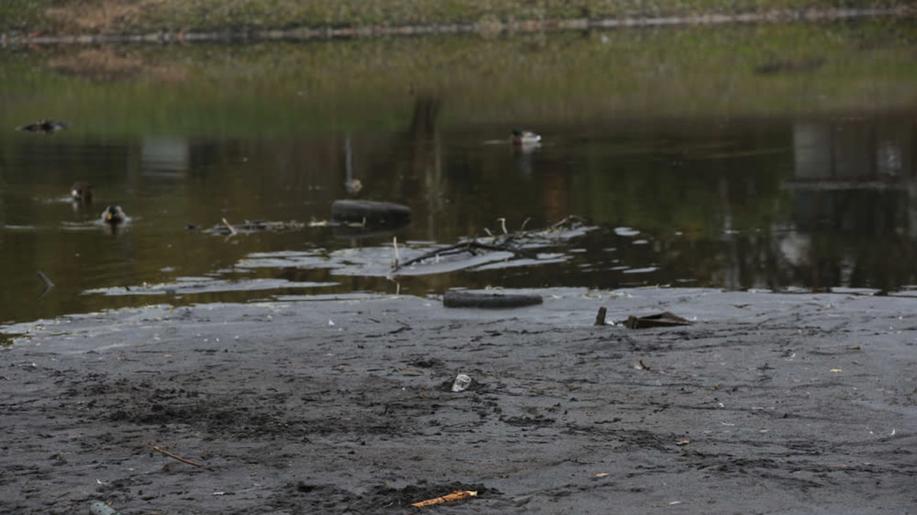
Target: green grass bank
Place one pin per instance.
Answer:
(55, 18)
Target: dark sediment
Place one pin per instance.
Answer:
(783, 403)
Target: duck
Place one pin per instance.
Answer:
(81, 192)
(113, 215)
(46, 126)
(521, 137)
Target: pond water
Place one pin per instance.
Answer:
(746, 157)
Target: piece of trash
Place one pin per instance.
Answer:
(673, 503)
(893, 432)
(600, 316)
(100, 508)
(837, 370)
(330, 323)
(600, 474)
(461, 383)
(664, 319)
(682, 441)
(640, 365)
(454, 496)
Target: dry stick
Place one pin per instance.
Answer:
(47, 282)
(454, 496)
(177, 457)
(232, 230)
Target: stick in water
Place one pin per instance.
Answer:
(397, 256)
(232, 230)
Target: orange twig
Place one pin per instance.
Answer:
(454, 496)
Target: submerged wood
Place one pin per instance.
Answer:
(504, 243)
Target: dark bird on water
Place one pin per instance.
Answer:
(81, 192)
(113, 215)
(45, 126)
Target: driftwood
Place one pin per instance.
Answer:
(503, 243)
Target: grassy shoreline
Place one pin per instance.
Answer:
(94, 21)
(685, 72)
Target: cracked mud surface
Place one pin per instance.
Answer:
(769, 403)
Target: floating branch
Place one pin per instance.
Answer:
(467, 246)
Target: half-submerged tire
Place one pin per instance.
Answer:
(370, 213)
(470, 299)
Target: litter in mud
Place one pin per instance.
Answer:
(664, 319)
(461, 383)
(452, 497)
(100, 508)
(472, 299)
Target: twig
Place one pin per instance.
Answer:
(503, 224)
(45, 279)
(47, 282)
(454, 496)
(177, 457)
(232, 230)
(395, 247)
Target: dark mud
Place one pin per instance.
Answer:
(768, 403)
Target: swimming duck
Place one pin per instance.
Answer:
(46, 126)
(521, 137)
(113, 215)
(81, 192)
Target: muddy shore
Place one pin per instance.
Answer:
(772, 403)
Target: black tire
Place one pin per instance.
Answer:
(470, 299)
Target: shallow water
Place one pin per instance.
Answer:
(750, 157)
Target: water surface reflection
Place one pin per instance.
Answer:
(747, 196)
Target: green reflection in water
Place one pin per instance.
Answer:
(763, 156)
